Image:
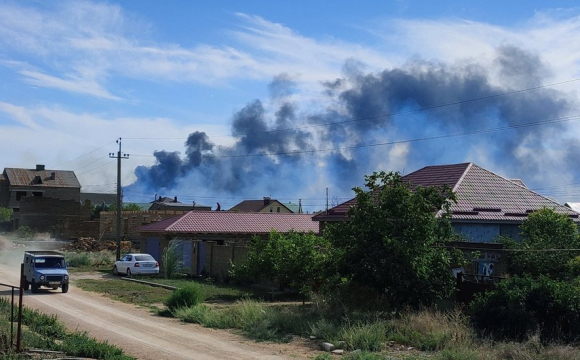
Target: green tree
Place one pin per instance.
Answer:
(544, 232)
(293, 259)
(125, 207)
(5, 214)
(394, 241)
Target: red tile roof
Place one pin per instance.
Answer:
(220, 222)
(481, 195)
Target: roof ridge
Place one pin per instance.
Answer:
(181, 217)
(469, 166)
(521, 187)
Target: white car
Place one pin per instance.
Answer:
(133, 264)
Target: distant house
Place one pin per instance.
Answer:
(262, 206)
(99, 198)
(166, 203)
(210, 240)
(488, 206)
(45, 200)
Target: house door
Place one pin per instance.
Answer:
(152, 246)
(185, 248)
(200, 257)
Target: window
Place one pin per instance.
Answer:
(16, 210)
(278, 209)
(20, 194)
(271, 209)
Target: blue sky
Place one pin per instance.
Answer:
(76, 75)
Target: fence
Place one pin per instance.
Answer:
(19, 327)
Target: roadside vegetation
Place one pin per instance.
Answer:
(379, 286)
(45, 332)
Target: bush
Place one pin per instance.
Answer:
(189, 295)
(80, 344)
(521, 306)
(78, 260)
(171, 260)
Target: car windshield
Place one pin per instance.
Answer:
(144, 258)
(48, 262)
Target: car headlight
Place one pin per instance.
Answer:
(41, 277)
(66, 277)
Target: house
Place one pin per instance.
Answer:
(45, 200)
(166, 203)
(99, 198)
(212, 240)
(262, 206)
(488, 206)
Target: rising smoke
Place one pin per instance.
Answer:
(372, 108)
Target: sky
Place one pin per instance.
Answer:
(224, 101)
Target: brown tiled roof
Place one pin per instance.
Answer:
(481, 195)
(28, 177)
(249, 206)
(222, 222)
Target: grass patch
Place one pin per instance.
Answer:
(43, 331)
(90, 261)
(126, 291)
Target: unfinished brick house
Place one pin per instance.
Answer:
(44, 200)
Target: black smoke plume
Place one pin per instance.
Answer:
(294, 154)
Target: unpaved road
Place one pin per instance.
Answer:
(142, 334)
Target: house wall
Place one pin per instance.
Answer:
(47, 192)
(275, 206)
(486, 233)
(4, 193)
(219, 251)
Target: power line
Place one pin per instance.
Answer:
(406, 112)
(90, 152)
(98, 167)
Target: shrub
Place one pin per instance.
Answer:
(189, 295)
(172, 259)
(365, 336)
(80, 344)
(78, 259)
(521, 306)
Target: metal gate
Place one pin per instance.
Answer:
(152, 245)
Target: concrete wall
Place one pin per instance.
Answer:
(62, 218)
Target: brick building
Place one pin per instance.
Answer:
(44, 200)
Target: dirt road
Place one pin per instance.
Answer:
(142, 334)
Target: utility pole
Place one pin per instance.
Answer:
(119, 156)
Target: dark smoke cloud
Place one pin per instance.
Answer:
(372, 108)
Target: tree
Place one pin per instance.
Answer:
(125, 207)
(5, 214)
(544, 230)
(293, 259)
(394, 241)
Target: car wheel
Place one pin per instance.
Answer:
(25, 285)
(34, 287)
(115, 271)
(128, 272)
(64, 288)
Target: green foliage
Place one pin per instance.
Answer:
(365, 336)
(125, 207)
(78, 259)
(186, 296)
(394, 241)
(522, 305)
(24, 232)
(293, 259)
(81, 345)
(544, 229)
(172, 259)
(5, 214)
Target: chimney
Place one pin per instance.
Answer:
(267, 200)
(175, 199)
(39, 167)
(52, 176)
